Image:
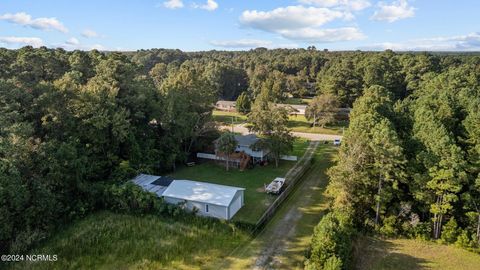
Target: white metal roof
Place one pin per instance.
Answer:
(145, 181)
(201, 192)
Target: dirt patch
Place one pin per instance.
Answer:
(260, 189)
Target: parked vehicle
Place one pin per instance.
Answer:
(336, 142)
(275, 187)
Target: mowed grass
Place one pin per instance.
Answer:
(299, 123)
(106, 240)
(410, 254)
(227, 118)
(253, 180)
(298, 101)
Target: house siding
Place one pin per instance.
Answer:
(236, 204)
(216, 211)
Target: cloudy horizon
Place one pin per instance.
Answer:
(401, 25)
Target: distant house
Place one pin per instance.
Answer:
(224, 105)
(294, 109)
(340, 113)
(207, 199)
(247, 144)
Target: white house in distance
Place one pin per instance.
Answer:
(211, 200)
(208, 199)
(223, 105)
(294, 109)
(246, 144)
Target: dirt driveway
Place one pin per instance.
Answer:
(282, 243)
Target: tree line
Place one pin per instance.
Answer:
(409, 165)
(74, 123)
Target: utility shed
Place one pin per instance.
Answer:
(212, 200)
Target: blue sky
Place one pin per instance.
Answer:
(193, 25)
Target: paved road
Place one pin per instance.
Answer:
(310, 136)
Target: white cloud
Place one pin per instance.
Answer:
(23, 41)
(25, 19)
(241, 43)
(324, 35)
(301, 23)
(251, 43)
(210, 5)
(289, 18)
(173, 4)
(469, 42)
(397, 10)
(81, 47)
(72, 41)
(88, 33)
(74, 44)
(348, 4)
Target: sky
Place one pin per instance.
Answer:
(196, 25)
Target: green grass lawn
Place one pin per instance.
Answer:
(106, 240)
(299, 123)
(410, 254)
(226, 118)
(253, 180)
(297, 101)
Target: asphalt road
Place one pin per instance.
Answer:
(309, 136)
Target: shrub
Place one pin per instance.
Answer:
(130, 198)
(450, 231)
(421, 230)
(389, 227)
(465, 240)
(331, 242)
(333, 263)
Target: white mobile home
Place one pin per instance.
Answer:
(208, 199)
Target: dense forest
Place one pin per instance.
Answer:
(409, 164)
(72, 124)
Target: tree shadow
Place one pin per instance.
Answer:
(376, 253)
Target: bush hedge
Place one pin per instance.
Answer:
(331, 244)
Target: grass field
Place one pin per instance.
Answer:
(299, 123)
(409, 254)
(115, 241)
(226, 118)
(296, 123)
(256, 200)
(298, 101)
